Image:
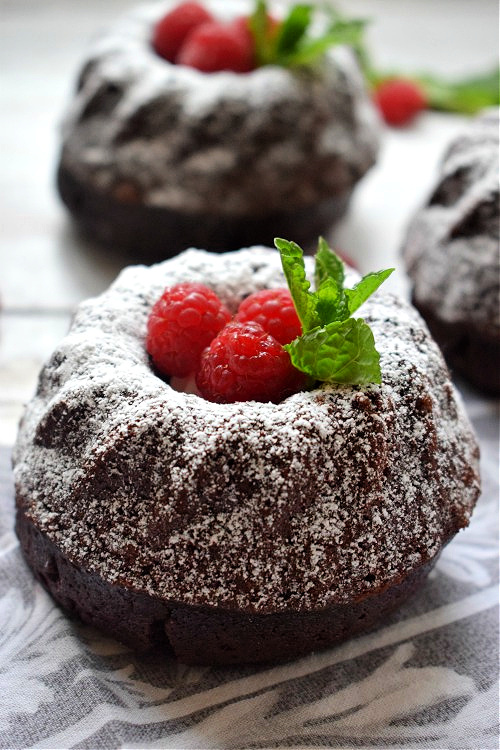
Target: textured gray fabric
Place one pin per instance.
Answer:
(426, 679)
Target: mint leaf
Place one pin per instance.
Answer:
(333, 346)
(347, 28)
(340, 352)
(327, 266)
(309, 50)
(292, 259)
(258, 23)
(291, 43)
(365, 288)
(293, 29)
(467, 96)
(331, 302)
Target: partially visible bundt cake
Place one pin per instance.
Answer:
(452, 252)
(244, 531)
(157, 157)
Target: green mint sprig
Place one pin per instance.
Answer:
(467, 96)
(290, 43)
(333, 346)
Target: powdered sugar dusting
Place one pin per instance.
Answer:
(259, 507)
(185, 140)
(452, 248)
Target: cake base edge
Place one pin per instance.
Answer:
(467, 350)
(152, 233)
(196, 634)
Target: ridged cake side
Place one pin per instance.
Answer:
(144, 131)
(257, 508)
(452, 255)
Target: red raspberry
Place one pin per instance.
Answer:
(399, 100)
(171, 31)
(182, 323)
(241, 28)
(244, 363)
(274, 310)
(241, 25)
(216, 46)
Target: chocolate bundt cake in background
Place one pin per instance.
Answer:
(452, 254)
(157, 157)
(241, 532)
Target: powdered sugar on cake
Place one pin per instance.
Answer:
(452, 246)
(174, 137)
(254, 506)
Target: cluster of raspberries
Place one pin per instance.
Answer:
(192, 335)
(190, 35)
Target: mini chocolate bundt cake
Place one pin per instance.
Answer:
(452, 255)
(158, 157)
(241, 532)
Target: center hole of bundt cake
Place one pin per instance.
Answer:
(185, 384)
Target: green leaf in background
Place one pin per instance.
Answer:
(292, 259)
(340, 352)
(467, 96)
(310, 49)
(365, 288)
(290, 42)
(259, 26)
(293, 29)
